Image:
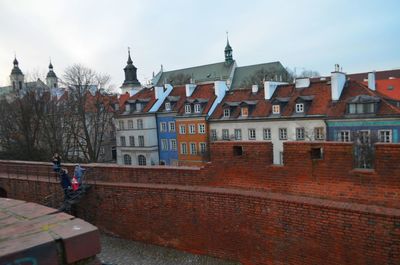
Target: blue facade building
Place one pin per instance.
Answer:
(167, 142)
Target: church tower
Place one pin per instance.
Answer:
(131, 83)
(228, 51)
(16, 77)
(51, 78)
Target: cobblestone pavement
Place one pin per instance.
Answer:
(116, 251)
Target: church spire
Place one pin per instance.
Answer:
(131, 81)
(228, 51)
(16, 76)
(129, 57)
(51, 78)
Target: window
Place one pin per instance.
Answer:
(139, 106)
(227, 112)
(130, 124)
(360, 108)
(319, 133)
(182, 129)
(127, 160)
(192, 129)
(300, 134)
(299, 107)
(276, 109)
(267, 134)
(244, 111)
(197, 108)
(202, 128)
(141, 160)
(385, 136)
(188, 108)
(282, 134)
(344, 136)
(364, 136)
(193, 149)
(390, 87)
(167, 106)
(163, 126)
(183, 148)
(123, 142)
(140, 124)
(141, 140)
(203, 148)
(121, 125)
(164, 144)
(238, 134)
(132, 140)
(252, 134)
(171, 126)
(213, 135)
(173, 144)
(225, 134)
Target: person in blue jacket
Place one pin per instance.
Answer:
(78, 173)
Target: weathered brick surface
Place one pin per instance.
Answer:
(320, 211)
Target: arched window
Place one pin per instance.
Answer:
(127, 160)
(141, 160)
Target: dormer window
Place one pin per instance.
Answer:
(167, 106)
(299, 107)
(227, 112)
(188, 109)
(276, 109)
(139, 106)
(197, 108)
(361, 108)
(244, 111)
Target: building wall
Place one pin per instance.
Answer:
(169, 156)
(259, 125)
(373, 125)
(196, 138)
(149, 132)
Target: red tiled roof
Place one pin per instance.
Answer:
(320, 91)
(379, 75)
(388, 87)
(353, 89)
(145, 93)
(205, 91)
(178, 91)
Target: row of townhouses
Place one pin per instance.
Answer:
(174, 121)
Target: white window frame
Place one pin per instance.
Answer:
(122, 139)
(225, 134)
(141, 140)
(197, 108)
(252, 134)
(227, 112)
(163, 126)
(188, 109)
(276, 109)
(193, 148)
(238, 134)
(130, 124)
(182, 129)
(121, 125)
(172, 143)
(299, 107)
(184, 148)
(390, 139)
(343, 135)
(131, 140)
(214, 136)
(300, 134)
(127, 159)
(244, 113)
(319, 133)
(192, 129)
(203, 147)
(139, 123)
(202, 128)
(164, 144)
(142, 161)
(171, 126)
(283, 134)
(267, 134)
(167, 106)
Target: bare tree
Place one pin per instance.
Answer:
(90, 111)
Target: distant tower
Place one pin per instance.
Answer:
(16, 77)
(131, 84)
(228, 51)
(51, 78)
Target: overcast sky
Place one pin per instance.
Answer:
(359, 35)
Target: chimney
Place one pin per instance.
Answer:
(371, 81)
(338, 80)
(220, 88)
(254, 89)
(302, 82)
(189, 89)
(158, 91)
(269, 88)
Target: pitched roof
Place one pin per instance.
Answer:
(318, 94)
(199, 74)
(352, 91)
(201, 92)
(388, 87)
(379, 75)
(145, 95)
(244, 76)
